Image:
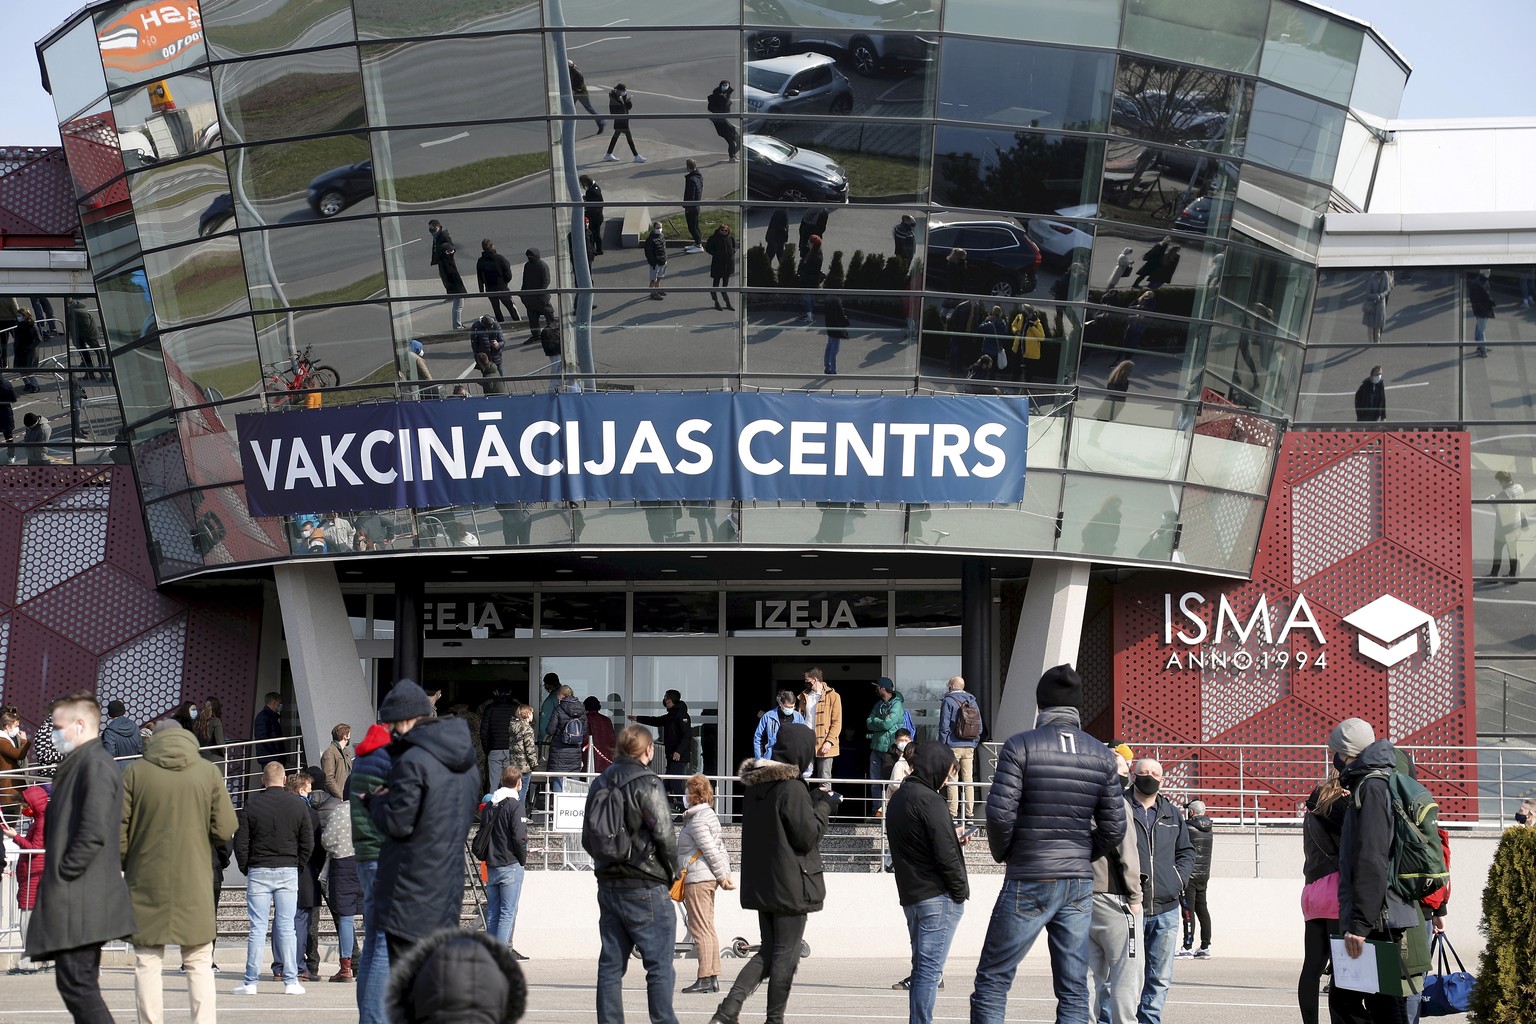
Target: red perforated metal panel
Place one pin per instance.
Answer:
(1351, 517)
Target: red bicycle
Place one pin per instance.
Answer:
(298, 381)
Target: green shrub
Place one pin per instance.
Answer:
(855, 269)
(759, 269)
(835, 275)
(1506, 979)
(789, 276)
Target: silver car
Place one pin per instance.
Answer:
(799, 83)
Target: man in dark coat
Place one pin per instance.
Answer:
(930, 870)
(567, 738)
(496, 732)
(1196, 909)
(445, 259)
(782, 822)
(369, 772)
(269, 726)
(485, 336)
(634, 910)
(1055, 806)
(1167, 862)
(777, 237)
(424, 811)
(592, 196)
(274, 842)
(535, 293)
(693, 194)
(1371, 398)
(676, 738)
(1479, 297)
(82, 900)
(904, 238)
(493, 275)
(121, 736)
(719, 102)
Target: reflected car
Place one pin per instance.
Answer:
(802, 83)
(1060, 241)
(868, 53)
(220, 210)
(1001, 257)
(777, 170)
(337, 189)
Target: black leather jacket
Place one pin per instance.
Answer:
(1056, 802)
(648, 819)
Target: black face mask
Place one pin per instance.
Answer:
(1339, 764)
(1521, 817)
(1147, 785)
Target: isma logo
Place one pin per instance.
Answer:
(1389, 630)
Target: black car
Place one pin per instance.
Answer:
(777, 170)
(220, 210)
(1001, 260)
(338, 189)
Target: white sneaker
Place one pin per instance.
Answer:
(293, 988)
(610, 157)
(639, 159)
(244, 990)
(694, 248)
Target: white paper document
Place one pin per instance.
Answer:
(1357, 974)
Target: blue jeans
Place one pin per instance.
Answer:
(346, 936)
(1160, 936)
(373, 969)
(931, 926)
(501, 895)
(829, 357)
(630, 918)
(264, 888)
(1064, 909)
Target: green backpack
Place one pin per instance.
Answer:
(1417, 862)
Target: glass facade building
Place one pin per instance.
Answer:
(1111, 209)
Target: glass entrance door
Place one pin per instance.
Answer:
(468, 682)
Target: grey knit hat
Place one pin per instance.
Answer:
(1351, 736)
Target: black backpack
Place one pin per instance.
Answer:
(575, 732)
(604, 827)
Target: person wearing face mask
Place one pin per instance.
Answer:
(503, 842)
(1371, 398)
(336, 762)
(82, 900)
(1167, 862)
(14, 744)
(783, 713)
(29, 866)
(1526, 815)
(120, 735)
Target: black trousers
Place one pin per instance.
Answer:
(1196, 909)
(1315, 953)
(777, 959)
(75, 972)
(500, 299)
(398, 946)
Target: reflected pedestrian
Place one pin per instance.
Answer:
(836, 318)
(719, 102)
(1121, 269)
(27, 343)
(1479, 297)
(1371, 398)
(1152, 261)
(812, 225)
(693, 194)
(493, 275)
(1374, 312)
(535, 294)
(904, 238)
(811, 274)
(486, 337)
(1166, 268)
(619, 106)
(656, 258)
(592, 196)
(777, 238)
(1509, 521)
(444, 259)
(580, 94)
(1101, 534)
(722, 264)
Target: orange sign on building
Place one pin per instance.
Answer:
(149, 36)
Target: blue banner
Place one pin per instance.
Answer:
(521, 449)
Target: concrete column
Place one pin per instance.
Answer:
(1049, 633)
(328, 682)
(409, 597)
(976, 629)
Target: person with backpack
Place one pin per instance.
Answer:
(1374, 855)
(627, 830)
(960, 730)
(1433, 906)
(567, 738)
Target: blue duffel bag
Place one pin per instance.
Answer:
(1445, 991)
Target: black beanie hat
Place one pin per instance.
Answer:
(1060, 688)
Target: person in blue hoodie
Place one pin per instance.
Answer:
(783, 713)
(120, 735)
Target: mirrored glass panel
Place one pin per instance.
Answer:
(1311, 52)
(1129, 436)
(140, 42)
(169, 118)
(1285, 213)
(898, 15)
(1418, 384)
(1029, 527)
(1215, 33)
(1026, 86)
(291, 96)
(353, 341)
(1115, 518)
(1496, 305)
(474, 165)
(406, 83)
(1019, 171)
(814, 71)
(126, 311)
(73, 63)
(419, 263)
(1218, 529)
(210, 442)
(850, 336)
(1232, 450)
(1293, 133)
(94, 155)
(646, 12)
(999, 342)
(1252, 369)
(213, 361)
(111, 234)
(199, 281)
(1359, 149)
(388, 19)
(678, 613)
(1180, 108)
(1084, 22)
(655, 81)
(1379, 81)
(822, 523)
(1183, 271)
(141, 382)
(697, 678)
(244, 28)
(170, 524)
(181, 201)
(287, 182)
(314, 265)
(635, 334)
(224, 530)
(1264, 291)
(1409, 304)
(1168, 188)
(1140, 350)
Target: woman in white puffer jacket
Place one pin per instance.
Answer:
(701, 852)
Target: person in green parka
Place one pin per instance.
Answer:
(880, 727)
(175, 805)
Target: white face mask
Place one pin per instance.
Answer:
(1375, 378)
(192, 712)
(12, 732)
(61, 743)
(902, 745)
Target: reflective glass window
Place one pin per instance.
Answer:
(291, 96)
(1215, 33)
(199, 281)
(126, 310)
(1252, 368)
(212, 361)
(1028, 173)
(1141, 350)
(1379, 81)
(1359, 148)
(1265, 291)
(140, 42)
(352, 340)
(1407, 304)
(1218, 529)
(111, 235)
(1510, 291)
(407, 83)
(1286, 212)
(170, 524)
(73, 63)
(315, 264)
(94, 156)
(409, 248)
(1028, 86)
(224, 530)
(141, 383)
(532, 524)
(1182, 108)
(1293, 133)
(1310, 51)
(1498, 371)
(697, 678)
(474, 165)
(1232, 449)
(805, 70)
(853, 15)
(166, 119)
(875, 342)
(822, 523)
(244, 28)
(1162, 187)
(1130, 436)
(210, 441)
(388, 19)
(582, 614)
(180, 201)
(1114, 518)
(283, 182)
(632, 334)
(1028, 527)
(649, 12)
(1419, 384)
(1083, 22)
(928, 612)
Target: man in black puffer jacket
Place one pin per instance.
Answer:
(634, 909)
(782, 822)
(1055, 805)
(676, 738)
(496, 733)
(423, 810)
(1196, 908)
(930, 870)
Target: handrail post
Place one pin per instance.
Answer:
(1500, 798)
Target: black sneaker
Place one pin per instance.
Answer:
(518, 956)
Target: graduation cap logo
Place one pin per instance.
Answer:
(1389, 630)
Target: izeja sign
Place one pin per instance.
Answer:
(635, 447)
